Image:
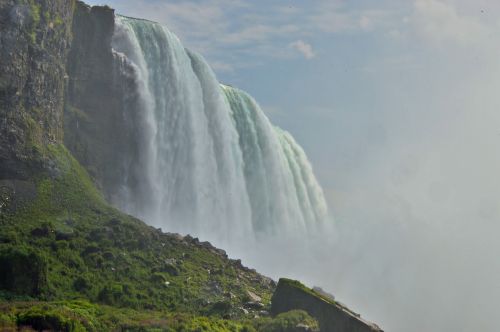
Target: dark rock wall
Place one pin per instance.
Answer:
(35, 36)
(60, 81)
(332, 317)
(102, 112)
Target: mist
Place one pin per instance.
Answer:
(413, 182)
(397, 107)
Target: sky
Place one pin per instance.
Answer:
(396, 103)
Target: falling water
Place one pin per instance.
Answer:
(213, 164)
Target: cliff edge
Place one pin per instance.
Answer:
(331, 315)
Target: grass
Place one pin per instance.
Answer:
(85, 316)
(301, 286)
(89, 251)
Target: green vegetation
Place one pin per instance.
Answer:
(84, 316)
(33, 133)
(94, 252)
(301, 286)
(43, 17)
(70, 262)
(287, 321)
(35, 11)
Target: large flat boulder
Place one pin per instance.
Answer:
(331, 315)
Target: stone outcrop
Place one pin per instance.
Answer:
(101, 114)
(34, 41)
(331, 315)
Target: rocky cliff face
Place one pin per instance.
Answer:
(101, 114)
(34, 42)
(331, 315)
(61, 81)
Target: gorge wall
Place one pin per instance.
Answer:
(34, 43)
(101, 112)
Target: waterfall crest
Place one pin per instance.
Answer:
(213, 164)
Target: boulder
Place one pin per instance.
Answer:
(332, 317)
(253, 297)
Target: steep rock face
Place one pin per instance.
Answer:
(101, 111)
(331, 315)
(34, 42)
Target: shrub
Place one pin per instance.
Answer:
(287, 322)
(23, 271)
(111, 294)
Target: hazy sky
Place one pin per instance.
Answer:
(397, 104)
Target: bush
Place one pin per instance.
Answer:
(23, 271)
(111, 294)
(74, 316)
(287, 322)
(48, 320)
(81, 284)
(7, 322)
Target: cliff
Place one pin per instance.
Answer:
(331, 315)
(34, 44)
(101, 117)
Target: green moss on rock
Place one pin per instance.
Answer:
(23, 271)
(300, 286)
(332, 316)
(92, 251)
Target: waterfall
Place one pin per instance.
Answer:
(283, 192)
(212, 163)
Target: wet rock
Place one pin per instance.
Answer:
(253, 297)
(264, 313)
(332, 317)
(303, 328)
(254, 305)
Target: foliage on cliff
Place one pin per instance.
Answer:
(84, 316)
(70, 262)
(64, 242)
